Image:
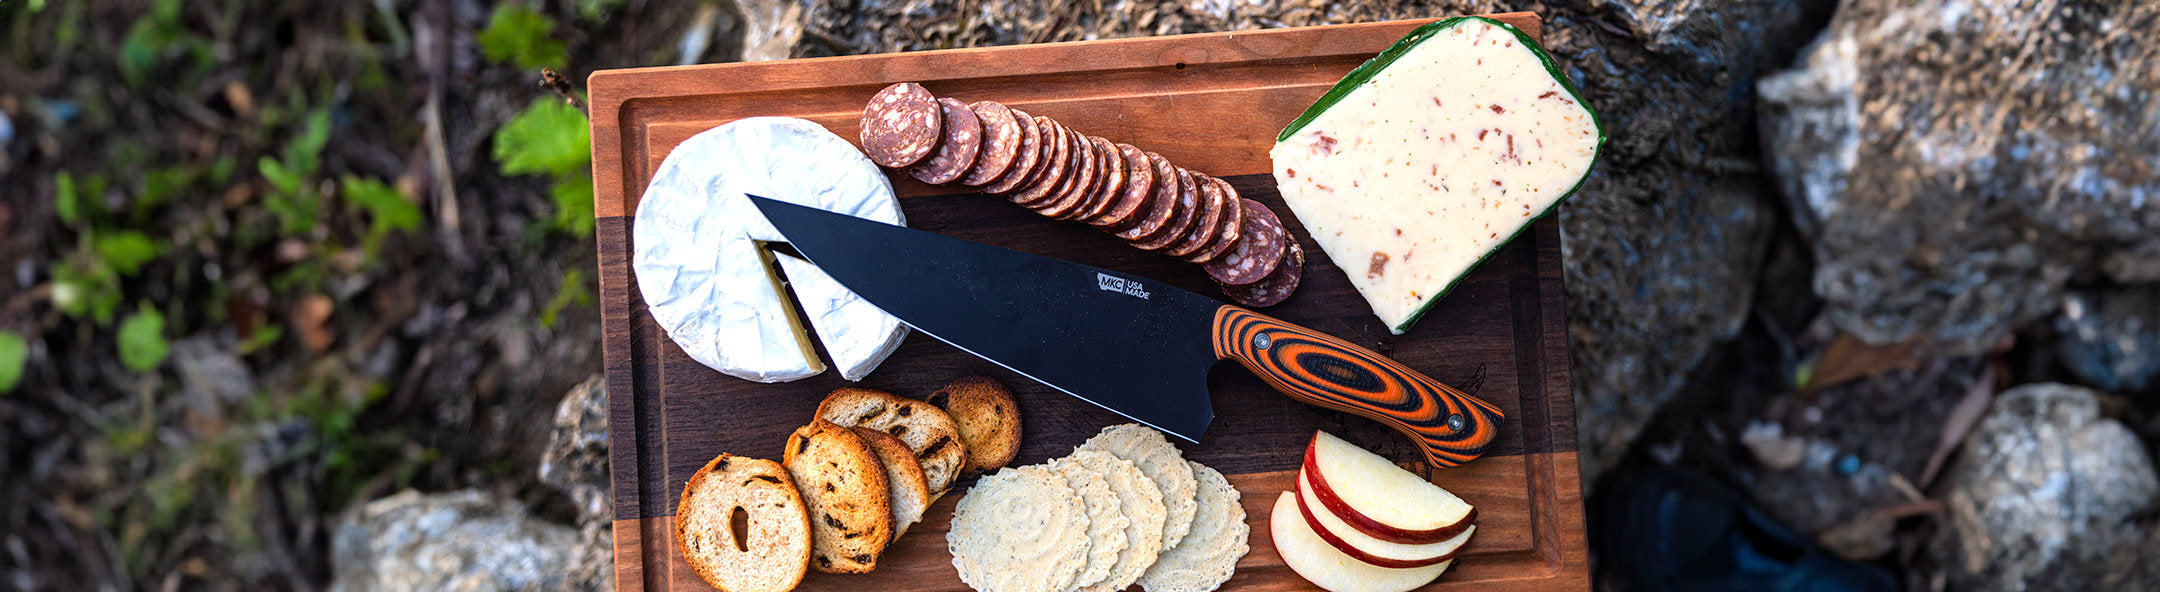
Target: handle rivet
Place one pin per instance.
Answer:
(1455, 422)
(1262, 341)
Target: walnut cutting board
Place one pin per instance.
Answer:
(1212, 103)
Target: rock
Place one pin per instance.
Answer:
(2042, 497)
(576, 462)
(1957, 161)
(2111, 337)
(1831, 462)
(770, 29)
(465, 541)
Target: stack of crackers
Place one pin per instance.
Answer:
(1124, 507)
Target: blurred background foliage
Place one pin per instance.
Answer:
(260, 260)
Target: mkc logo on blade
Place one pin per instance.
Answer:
(1110, 283)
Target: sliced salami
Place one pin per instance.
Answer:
(1162, 204)
(1233, 224)
(1208, 222)
(1029, 157)
(1257, 254)
(1277, 286)
(1057, 149)
(1068, 195)
(1000, 143)
(901, 125)
(1084, 195)
(1184, 213)
(1110, 183)
(1132, 198)
(956, 152)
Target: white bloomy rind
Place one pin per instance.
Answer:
(702, 266)
(1330, 569)
(1414, 176)
(1382, 491)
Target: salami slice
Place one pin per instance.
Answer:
(1132, 198)
(1110, 184)
(1068, 195)
(1233, 224)
(1000, 143)
(1184, 213)
(1028, 159)
(1085, 196)
(1277, 286)
(956, 152)
(1162, 204)
(901, 125)
(1208, 222)
(1257, 254)
(1057, 148)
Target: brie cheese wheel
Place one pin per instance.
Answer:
(1431, 156)
(857, 334)
(701, 264)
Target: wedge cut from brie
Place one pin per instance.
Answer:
(857, 334)
(1429, 157)
(698, 249)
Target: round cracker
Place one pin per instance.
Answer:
(1106, 519)
(1142, 501)
(1209, 554)
(1019, 530)
(1163, 464)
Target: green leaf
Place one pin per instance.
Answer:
(548, 138)
(275, 172)
(14, 353)
(596, 10)
(574, 205)
(572, 292)
(128, 251)
(66, 200)
(386, 207)
(89, 289)
(521, 35)
(305, 151)
(142, 339)
(159, 185)
(263, 337)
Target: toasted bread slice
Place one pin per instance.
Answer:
(989, 420)
(910, 493)
(772, 552)
(927, 430)
(843, 485)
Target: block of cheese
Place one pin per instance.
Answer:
(1430, 156)
(698, 249)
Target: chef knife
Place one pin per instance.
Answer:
(1132, 345)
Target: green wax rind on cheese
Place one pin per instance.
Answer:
(1441, 210)
(1402, 46)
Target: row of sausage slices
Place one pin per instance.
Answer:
(1134, 194)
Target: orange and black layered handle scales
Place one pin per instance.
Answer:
(1450, 426)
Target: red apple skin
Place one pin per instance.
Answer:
(1366, 524)
(1347, 549)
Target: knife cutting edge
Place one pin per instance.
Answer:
(1135, 346)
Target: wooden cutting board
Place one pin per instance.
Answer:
(1212, 103)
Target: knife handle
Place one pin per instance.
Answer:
(1450, 426)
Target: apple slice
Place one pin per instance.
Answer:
(1380, 499)
(1327, 567)
(1332, 529)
